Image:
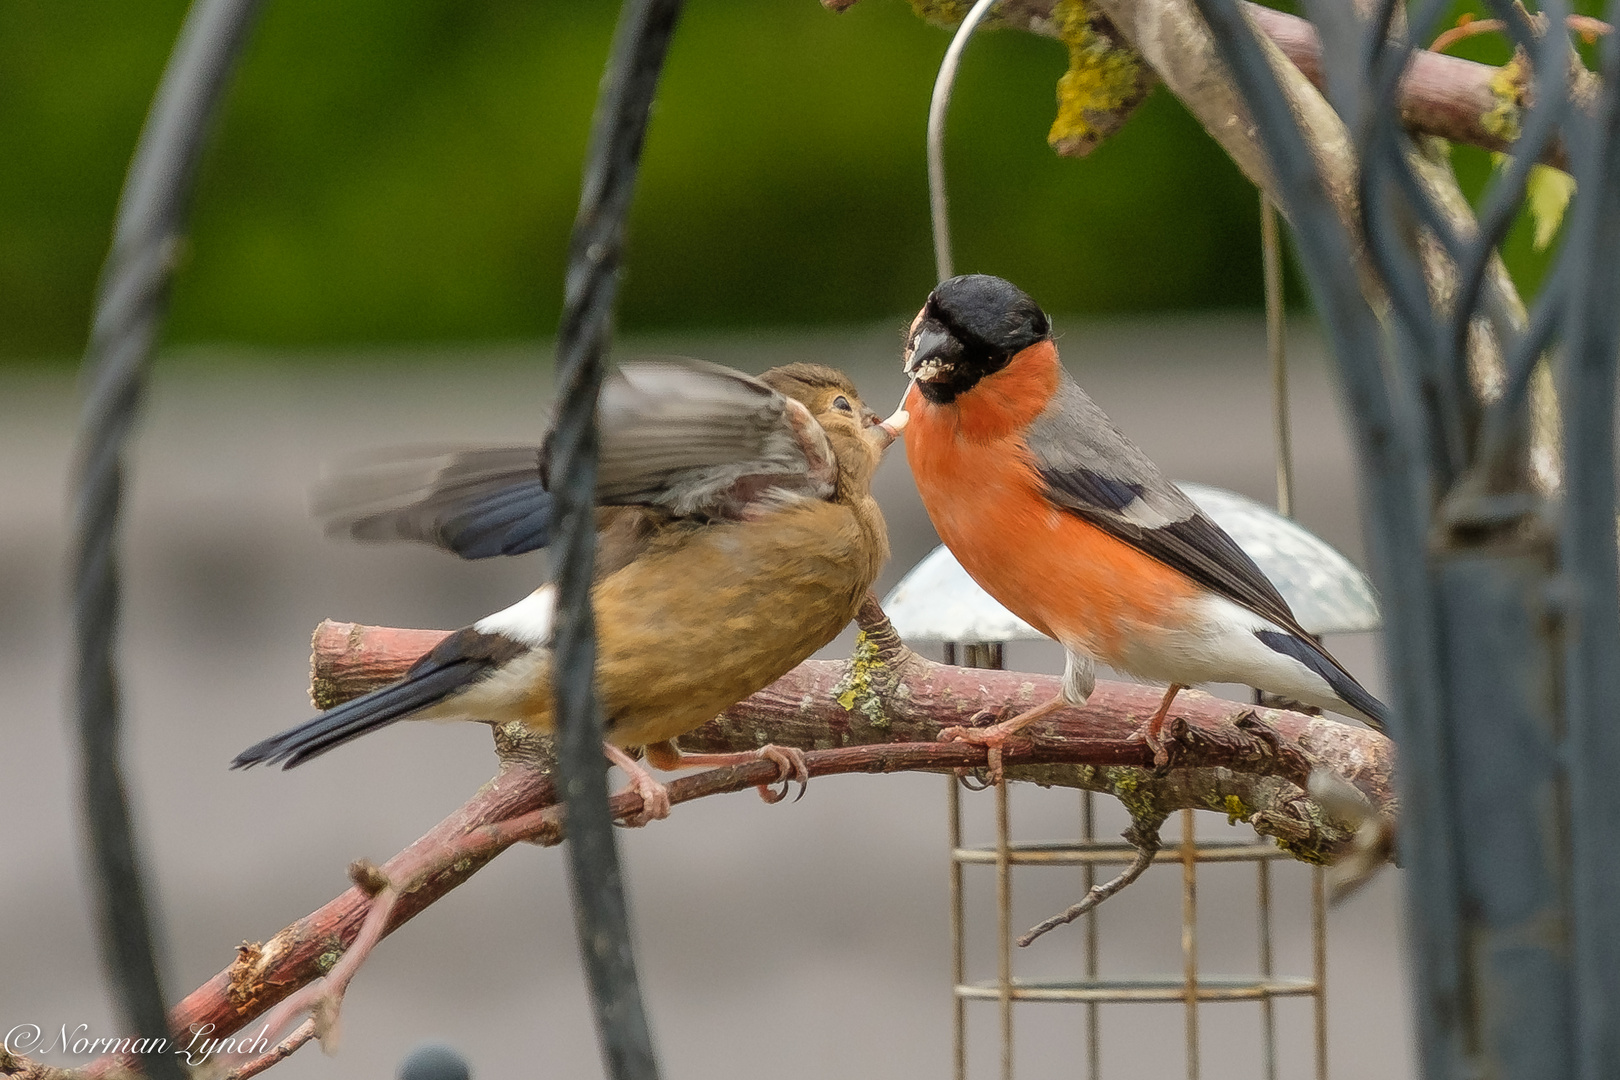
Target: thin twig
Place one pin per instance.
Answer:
(1464, 30)
(323, 999)
(284, 1049)
(1589, 28)
(1146, 841)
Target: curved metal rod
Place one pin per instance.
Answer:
(1504, 417)
(131, 302)
(1502, 200)
(1588, 561)
(1385, 239)
(1385, 181)
(937, 108)
(1381, 148)
(1387, 57)
(601, 913)
(1398, 526)
(1441, 427)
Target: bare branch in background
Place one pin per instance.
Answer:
(1146, 841)
(1466, 102)
(282, 1050)
(1176, 42)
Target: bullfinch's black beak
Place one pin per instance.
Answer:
(934, 353)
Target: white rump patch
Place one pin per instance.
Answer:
(530, 620)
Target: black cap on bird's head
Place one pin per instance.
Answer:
(972, 326)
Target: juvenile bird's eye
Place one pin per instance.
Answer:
(842, 402)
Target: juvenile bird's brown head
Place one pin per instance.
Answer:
(857, 436)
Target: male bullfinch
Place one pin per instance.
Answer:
(1070, 526)
(737, 534)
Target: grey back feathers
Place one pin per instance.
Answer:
(1079, 448)
(1092, 470)
(688, 438)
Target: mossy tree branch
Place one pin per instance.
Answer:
(878, 712)
(1225, 756)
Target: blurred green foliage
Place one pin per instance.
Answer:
(391, 172)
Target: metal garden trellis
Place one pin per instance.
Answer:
(1503, 644)
(129, 314)
(130, 307)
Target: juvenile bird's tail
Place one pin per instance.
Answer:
(353, 719)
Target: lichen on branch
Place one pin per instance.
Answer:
(1447, 96)
(1106, 79)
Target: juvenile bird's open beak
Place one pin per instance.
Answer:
(933, 354)
(886, 431)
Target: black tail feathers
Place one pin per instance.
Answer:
(353, 719)
(1341, 681)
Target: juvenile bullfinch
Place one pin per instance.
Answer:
(1070, 526)
(737, 534)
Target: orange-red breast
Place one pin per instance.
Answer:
(739, 535)
(1068, 524)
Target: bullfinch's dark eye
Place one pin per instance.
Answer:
(842, 403)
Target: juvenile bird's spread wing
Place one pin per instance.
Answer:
(700, 440)
(474, 501)
(1091, 470)
(684, 438)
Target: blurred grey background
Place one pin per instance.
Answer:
(800, 940)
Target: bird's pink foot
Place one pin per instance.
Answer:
(655, 805)
(1152, 732)
(791, 767)
(790, 764)
(996, 737)
(1155, 742)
